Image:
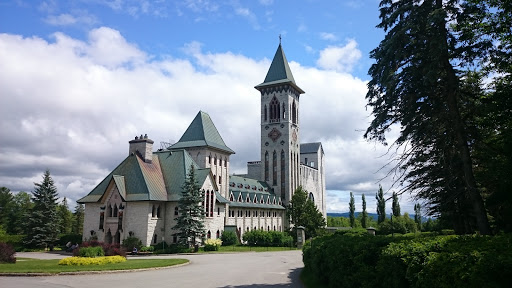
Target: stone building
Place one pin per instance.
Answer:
(140, 196)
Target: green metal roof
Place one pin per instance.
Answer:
(242, 186)
(279, 72)
(202, 132)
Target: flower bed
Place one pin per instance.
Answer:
(82, 261)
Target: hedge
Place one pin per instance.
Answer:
(347, 260)
(267, 238)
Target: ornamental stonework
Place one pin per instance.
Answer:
(274, 134)
(294, 136)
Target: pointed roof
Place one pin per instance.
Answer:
(279, 72)
(202, 132)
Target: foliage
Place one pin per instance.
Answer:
(170, 249)
(43, 226)
(7, 253)
(147, 249)
(91, 251)
(132, 242)
(108, 249)
(352, 209)
(303, 212)
(364, 217)
(6, 199)
(395, 205)
(416, 84)
(73, 238)
(65, 217)
(401, 224)
(78, 219)
(345, 260)
(417, 215)
(14, 210)
(189, 223)
(212, 244)
(267, 238)
(381, 205)
(229, 238)
(82, 261)
(338, 221)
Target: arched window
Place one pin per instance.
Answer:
(265, 113)
(210, 159)
(311, 197)
(275, 110)
(274, 167)
(284, 111)
(109, 211)
(215, 160)
(266, 165)
(225, 162)
(283, 178)
(115, 211)
(176, 211)
(155, 238)
(158, 211)
(220, 179)
(153, 211)
(102, 219)
(217, 234)
(209, 234)
(294, 113)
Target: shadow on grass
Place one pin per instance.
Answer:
(294, 277)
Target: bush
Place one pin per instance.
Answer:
(229, 238)
(91, 252)
(171, 249)
(108, 249)
(212, 244)
(7, 253)
(267, 238)
(147, 249)
(80, 261)
(131, 242)
(73, 238)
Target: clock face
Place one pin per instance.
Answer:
(294, 136)
(274, 134)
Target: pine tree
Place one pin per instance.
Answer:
(381, 205)
(364, 219)
(65, 217)
(395, 205)
(43, 224)
(78, 219)
(189, 223)
(352, 209)
(417, 215)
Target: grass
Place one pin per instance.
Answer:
(27, 265)
(309, 280)
(245, 248)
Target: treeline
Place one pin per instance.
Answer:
(38, 216)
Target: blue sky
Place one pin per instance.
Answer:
(81, 78)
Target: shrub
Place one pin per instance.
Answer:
(267, 238)
(229, 238)
(147, 249)
(7, 253)
(212, 244)
(73, 238)
(91, 252)
(131, 242)
(170, 249)
(80, 261)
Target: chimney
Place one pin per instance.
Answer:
(143, 146)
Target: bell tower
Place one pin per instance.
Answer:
(280, 129)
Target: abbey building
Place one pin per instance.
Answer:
(140, 196)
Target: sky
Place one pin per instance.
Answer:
(81, 78)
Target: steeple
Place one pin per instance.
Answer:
(279, 72)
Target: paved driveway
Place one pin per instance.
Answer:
(241, 270)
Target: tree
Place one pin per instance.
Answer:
(303, 212)
(78, 221)
(190, 222)
(65, 217)
(6, 199)
(414, 84)
(43, 224)
(381, 205)
(395, 205)
(364, 219)
(417, 215)
(352, 209)
(19, 213)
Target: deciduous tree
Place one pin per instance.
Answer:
(352, 210)
(381, 205)
(303, 212)
(364, 218)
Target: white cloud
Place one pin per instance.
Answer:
(72, 106)
(60, 20)
(266, 2)
(339, 58)
(328, 36)
(249, 15)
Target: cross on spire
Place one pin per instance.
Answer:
(279, 39)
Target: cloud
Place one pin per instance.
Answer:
(339, 58)
(249, 15)
(71, 106)
(68, 19)
(328, 36)
(266, 2)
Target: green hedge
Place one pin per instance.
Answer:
(348, 260)
(92, 252)
(267, 238)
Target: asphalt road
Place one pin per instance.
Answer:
(241, 270)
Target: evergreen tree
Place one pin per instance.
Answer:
(65, 217)
(190, 222)
(78, 219)
(43, 224)
(417, 215)
(303, 212)
(6, 199)
(19, 214)
(381, 205)
(395, 205)
(364, 219)
(352, 209)
(415, 84)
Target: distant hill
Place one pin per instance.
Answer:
(372, 215)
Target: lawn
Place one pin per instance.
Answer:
(27, 265)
